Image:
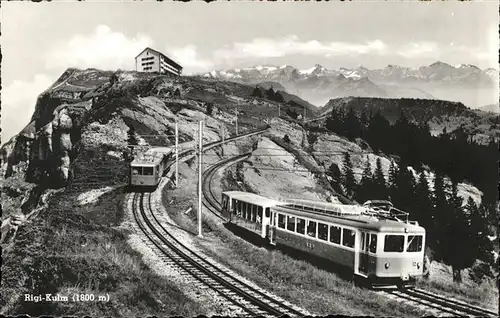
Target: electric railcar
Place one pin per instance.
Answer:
(147, 169)
(382, 249)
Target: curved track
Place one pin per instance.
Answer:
(441, 304)
(417, 296)
(211, 201)
(252, 300)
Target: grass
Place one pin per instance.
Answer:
(484, 294)
(72, 248)
(297, 280)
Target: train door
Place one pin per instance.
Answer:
(363, 253)
(272, 228)
(225, 207)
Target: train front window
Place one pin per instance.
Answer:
(268, 211)
(414, 243)
(348, 237)
(373, 243)
(394, 243)
(311, 228)
(290, 224)
(136, 171)
(301, 226)
(322, 231)
(335, 234)
(281, 221)
(147, 171)
(259, 215)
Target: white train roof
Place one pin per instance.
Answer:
(251, 198)
(152, 156)
(162, 150)
(326, 207)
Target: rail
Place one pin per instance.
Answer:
(439, 304)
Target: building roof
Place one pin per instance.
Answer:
(169, 60)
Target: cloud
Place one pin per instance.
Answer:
(103, 49)
(189, 59)
(268, 48)
(18, 103)
(419, 49)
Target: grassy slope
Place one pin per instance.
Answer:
(73, 248)
(319, 291)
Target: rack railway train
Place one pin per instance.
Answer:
(375, 241)
(147, 169)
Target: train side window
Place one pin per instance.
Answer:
(394, 243)
(240, 209)
(281, 221)
(348, 237)
(224, 201)
(301, 226)
(268, 211)
(233, 207)
(322, 231)
(335, 232)
(290, 224)
(311, 228)
(373, 243)
(250, 215)
(148, 171)
(259, 214)
(414, 243)
(254, 212)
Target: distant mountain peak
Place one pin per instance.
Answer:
(440, 64)
(466, 66)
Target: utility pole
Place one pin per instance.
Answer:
(279, 111)
(176, 153)
(304, 113)
(223, 134)
(236, 113)
(200, 159)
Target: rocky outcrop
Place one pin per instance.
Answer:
(53, 147)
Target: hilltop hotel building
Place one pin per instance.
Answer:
(150, 60)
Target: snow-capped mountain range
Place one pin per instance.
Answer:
(466, 83)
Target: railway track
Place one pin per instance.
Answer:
(252, 300)
(439, 304)
(211, 201)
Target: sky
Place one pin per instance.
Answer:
(39, 41)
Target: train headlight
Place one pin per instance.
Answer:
(387, 265)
